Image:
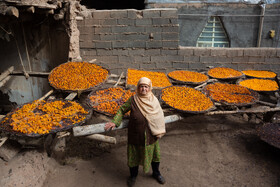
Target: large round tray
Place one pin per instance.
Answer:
(253, 93)
(77, 90)
(270, 133)
(259, 91)
(250, 76)
(90, 103)
(186, 82)
(228, 78)
(132, 86)
(187, 111)
(7, 129)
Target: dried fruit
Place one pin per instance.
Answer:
(259, 74)
(158, 79)
(223, 73)
(260, 84)
(40, 117)
(109, 100)
(186, 98)
(188, 76)
(230, 93)
(77, 76)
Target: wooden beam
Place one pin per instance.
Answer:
(118, 80)
(3, 82)
(71, 96)
(30, 9)
(99, 128)
(6, 73)
(30, 73)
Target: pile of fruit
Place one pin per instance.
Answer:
(224, 73)
(230, 93)
(109, 100)
(77, 76)
(188, 76)
(40, 117)
(259, 74)
(186, 99)
(260, 84)
(158, 79)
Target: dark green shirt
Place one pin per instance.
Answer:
(121, 112)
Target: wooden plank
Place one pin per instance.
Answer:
(257, 110)
(3, 82)
(71, 96)
(6, 73)
(99, 128)
(30, 73)
(46, 95)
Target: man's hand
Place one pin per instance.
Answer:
(109, 126)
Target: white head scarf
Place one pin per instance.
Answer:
(150, 107)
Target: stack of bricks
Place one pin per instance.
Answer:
(119, 39)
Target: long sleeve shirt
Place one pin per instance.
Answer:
(121, 112)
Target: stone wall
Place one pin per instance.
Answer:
(149, 40)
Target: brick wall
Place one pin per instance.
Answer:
(149, 40)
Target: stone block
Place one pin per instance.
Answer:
(147, 66)
(160, 21)
(118, 14)
(107, 37)
(144, 21)
(170, 28)
(240, 59)
(132, 36)
(252, 52)
(101, 52)
(268, 52)
(120, 52)
(232, 65)
(272, 60)
(88, 52)
(153, 29)
(151, 13)
(87, 44)
(91, 22)
(218, 52)
(192, 59)
(86, 30)
(234, 52)
(169, 51)
(107, 59)
(142, 59)
(134, 52)
(138, 44)
(255, 59)
(130, 22)
(202, 51)
(174, 21)
(180, 65)
(197, 66)
(169, 13)
(121, 44)
(244, 66)
(133, 14)
(101, 44)
(170, 44)
(164, 65)
(109, 22)
(222, 60)
(103, 29)
(124, 59)
(186, 51)
(170, 36)
(153, 44)
(101, 14)
(152, 52)
(260, 66)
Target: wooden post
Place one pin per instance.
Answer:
(118, 80)
(46, 95)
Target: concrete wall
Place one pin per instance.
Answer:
(121, 42)
(241, 22)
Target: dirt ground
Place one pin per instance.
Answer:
(197, 151)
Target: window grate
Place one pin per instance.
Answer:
(213, 34)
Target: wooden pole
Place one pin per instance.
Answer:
(99, 128)
(244, 111)
(12, 11)
(71, 96)
(102, 138)
(46, 95)
(24, 71)
(30, 73)
(3, 140)
(6, 73)
(118, 80)
(26, 49)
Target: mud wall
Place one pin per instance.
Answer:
(149, 40)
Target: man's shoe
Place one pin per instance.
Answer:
(131, 181)
(159, 178)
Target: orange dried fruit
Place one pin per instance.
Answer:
(223, 73)
(260, 84)
(188, 76)
(259, 73)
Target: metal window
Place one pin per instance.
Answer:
(213, 34)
